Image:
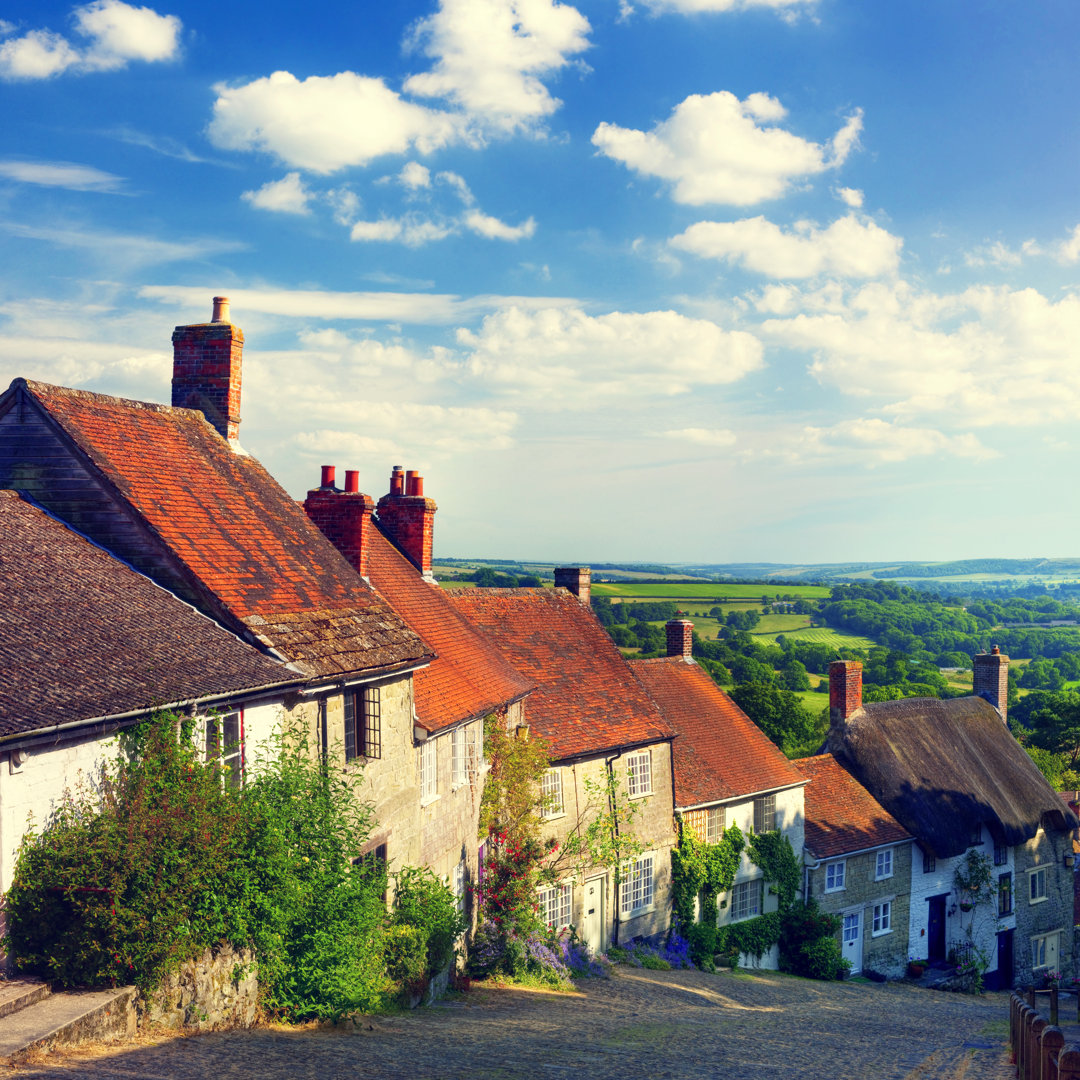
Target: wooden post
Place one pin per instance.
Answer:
(1024, 1017)
(1069, 1063)
(1031, 995)
(1014, 1013)
(1033, 1054)
(1050, 1044)
(1053, 1005)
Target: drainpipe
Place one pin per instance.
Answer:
(613, 806)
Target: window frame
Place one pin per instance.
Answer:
(715, 824)
(429, 772)
(881, 923)
(1001, 854)
(637, 890)
(1039, 944)
(747, 899)
(639, 774)
(551, 788)
(839, 871)
(884, 864)
(1037, 893)
(226, 758)
(459, 759)
(558, 899)
(1005, 891)
(764, 810)
(929, 863)
(976, 836)
(362, 719)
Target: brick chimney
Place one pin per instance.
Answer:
(408, 519)
(206, 369)
(845, 689)
(991, 680)
(578, 579)
(680, 637)
(343, 516)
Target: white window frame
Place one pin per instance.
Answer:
(1037, 885)
(838, 870)
(429, 772)
(459, 758)
(637, 886)
(555, 905)
(481, 762)
(765, 806)
(639, 774)
(1039, 943)
(714, 824)
(551, 795)
(883, 865)
(227, 757)
(747, 899)
(882, 923)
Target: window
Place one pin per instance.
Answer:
(429, 781)
(834, 876)
(480, 746)
(765, 814)
(851, 928)
(882, 918)
(555, 906)
(373, 863)
(458, 885)
(929, 863)
(459, 758)
(1037, 884)
(551, 794)
(1005, 895)
(363, 723)
(1044, 950)
(1001, 854)
(746, 899)
(224, 747)
(639, 774)
(714, 825)
(884, 864)
(976, 835)
(637, 886)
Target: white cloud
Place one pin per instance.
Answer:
(715, 148)
(285, 196)
(325, 123)
(997, 254)
(412, 230)
(415, 176)
(490, 57)
(703, 436)
(460, 187)
(494, 229)
(63, 174)
(1068, 250)
(850, 247)
(852, 196)
(573, 360)
(345, 204)
(117, 34)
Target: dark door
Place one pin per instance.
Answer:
(935, 933)
(1005, 959)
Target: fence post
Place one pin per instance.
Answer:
(1053, 1005)
(1033, 1056)
(1014, 1012)
(1069, 1063)
(1031, 995)
(1026, 1014)
(1051, 1042)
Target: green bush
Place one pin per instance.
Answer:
(422, 901)
(821, 959)
(808, 944)
(406, 957)
(703, 946)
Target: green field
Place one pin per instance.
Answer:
(820, 635)
(695, 591)
(814, 702)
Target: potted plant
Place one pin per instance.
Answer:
(915, 968)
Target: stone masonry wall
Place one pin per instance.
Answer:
(1052, 915)
(218, 990)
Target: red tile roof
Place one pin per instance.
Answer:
(83, 636)
(235, 532)
(841, 815)
(469, 677)
(587, 700)
(720, 752)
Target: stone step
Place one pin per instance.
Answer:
(16, 994)
(62, 1019)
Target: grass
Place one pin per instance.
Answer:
(815, 703)
(781, 624)
(696, 591)
(820, 635)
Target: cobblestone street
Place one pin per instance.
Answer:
(644, 1024)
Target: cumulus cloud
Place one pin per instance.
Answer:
(325, 123)
(999, 255)
(715, 148)
(851, 247)
(116, 34)
(285, 196)
(415, 176)
(852, 196)
(62, 174)
(411, 230)
(493, 229)
(1068, 251)
(490, 57)
(702, 436)
(572, 360)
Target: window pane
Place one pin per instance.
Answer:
(349, 701)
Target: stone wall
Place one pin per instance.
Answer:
(219, 990)
(1050, 916)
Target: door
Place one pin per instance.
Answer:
(935, 931)
(592, 920)
(851, 940)
(1005, 959)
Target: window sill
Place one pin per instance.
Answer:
(638, 912)
(836, 889)
(639, 795)
(880, 933)
(884, 877)
(1039, 900)
(553, 817)
(429, 800)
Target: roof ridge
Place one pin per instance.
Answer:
(39, 387)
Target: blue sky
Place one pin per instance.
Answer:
(711, 280)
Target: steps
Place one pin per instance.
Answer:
(32, 1017)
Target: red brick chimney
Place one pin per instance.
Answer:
(680, 637)
(845, 689)
(206, 369)
(343, 516)
(408, 519)
(991, 680)
(578, 579)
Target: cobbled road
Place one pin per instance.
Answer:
(639, 1024)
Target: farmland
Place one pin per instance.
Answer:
(714, 594)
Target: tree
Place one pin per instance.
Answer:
(779, 713)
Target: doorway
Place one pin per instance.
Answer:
(592, 916)
(851, 940)
(935, 930)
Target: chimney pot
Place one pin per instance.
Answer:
(418, 486)
(410, 482)
(221, 309)
(328, 472)
(397, 481)
(408, 519)
(352, 480)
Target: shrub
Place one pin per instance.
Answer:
(805, 926)
(821, 959)
(424, 902)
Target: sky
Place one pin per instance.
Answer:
(669, 280)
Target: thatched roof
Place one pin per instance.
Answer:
(943, 767)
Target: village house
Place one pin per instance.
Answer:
(727, 772)
(600, 727)
(858, 867)
(955, 778)
(169, 491)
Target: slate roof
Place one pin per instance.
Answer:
(587, 699)
(841, 815)
(720, 752)
(943, 767)
(235, 533)
(84, 636)
(469, 676)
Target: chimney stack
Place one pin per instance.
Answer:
(680, 638)
(578, 579)
(343, 516)
(845, 689)
(206, 369)
(408, 518)
(991, 680)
